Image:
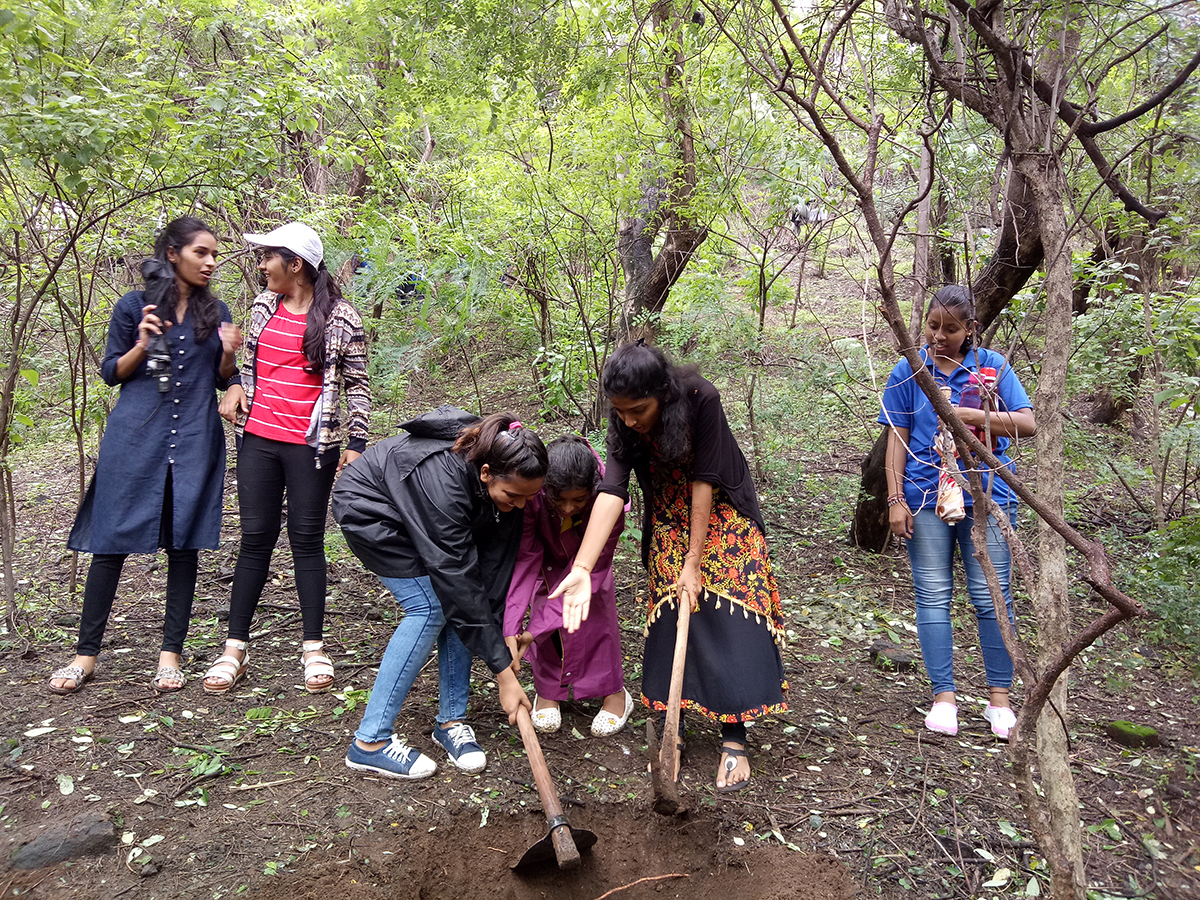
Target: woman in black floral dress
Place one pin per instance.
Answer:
(702, 538)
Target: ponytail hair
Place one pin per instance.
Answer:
(326, 294)
(957, 300)
(573, 466)
(505, 446)
(206, 314)
(637, 370)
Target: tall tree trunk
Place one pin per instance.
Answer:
(920, 280)
(314, 173)
(1068, 880)
(649, 277)
(1017, 255)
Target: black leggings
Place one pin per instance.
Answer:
(104, 576)
(265, 469)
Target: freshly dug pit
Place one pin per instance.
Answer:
(639, 855)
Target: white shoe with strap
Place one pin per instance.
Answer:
(227, 670)
(316, 666)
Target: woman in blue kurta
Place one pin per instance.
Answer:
(160, 475)
(913, 467)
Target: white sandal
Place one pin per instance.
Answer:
(606, 724)
(317, 665)
(228, 668)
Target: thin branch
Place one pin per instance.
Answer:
(1094, 128)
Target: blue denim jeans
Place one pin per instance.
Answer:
(931, 552)
(423, 624)
(454, 676)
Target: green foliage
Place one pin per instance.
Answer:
(1161, 571)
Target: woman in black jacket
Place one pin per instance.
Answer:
(436, 513)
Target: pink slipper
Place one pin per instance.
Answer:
(1003, 720)
(943, 718)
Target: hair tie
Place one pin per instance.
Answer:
(514, 426)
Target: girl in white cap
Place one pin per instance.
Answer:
(305, 348)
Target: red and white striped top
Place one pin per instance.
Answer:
(284, 394)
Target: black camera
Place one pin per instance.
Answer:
(159, 277)
(158, 361)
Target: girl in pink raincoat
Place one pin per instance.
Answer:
(588, 661)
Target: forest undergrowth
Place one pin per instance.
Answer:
(247, 796)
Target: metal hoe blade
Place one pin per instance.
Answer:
(667, 801)
(543, 851)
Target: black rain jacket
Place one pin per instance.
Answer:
(410, 506)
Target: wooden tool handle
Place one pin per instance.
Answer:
(670, 737)
(565, 850)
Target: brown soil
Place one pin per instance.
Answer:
(850, 795)
(639, 855)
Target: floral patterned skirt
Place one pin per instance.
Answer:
(734, 672)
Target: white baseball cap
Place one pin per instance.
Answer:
(296, 237)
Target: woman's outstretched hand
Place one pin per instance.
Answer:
(231, 338)
(348, 456)
(576, 591)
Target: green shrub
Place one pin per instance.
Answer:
(1162, 574)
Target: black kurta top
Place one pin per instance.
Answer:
(150, 434)
(718, 460)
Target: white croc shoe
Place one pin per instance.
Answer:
(606, 724)
(943, 718)
(1003, 720)
(546, 721)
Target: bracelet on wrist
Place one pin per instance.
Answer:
(895, 499)
(580, 565)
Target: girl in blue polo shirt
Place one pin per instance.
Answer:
(912, 478)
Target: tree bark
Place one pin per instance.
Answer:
(1017, 255)
(649, 277)
(920, 283)
(1068, 879)
(313, 173)
(869, 527)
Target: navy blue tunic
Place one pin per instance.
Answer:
(149, 434)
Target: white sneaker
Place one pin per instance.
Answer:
(1003, 720)
(606, 724)
(943, 718)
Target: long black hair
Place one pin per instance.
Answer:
(206, 314)
(326, 294)
(638, 370)
(957, 300)
(573, 466)
(505, 446)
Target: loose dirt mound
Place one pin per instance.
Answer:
(639, 855)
